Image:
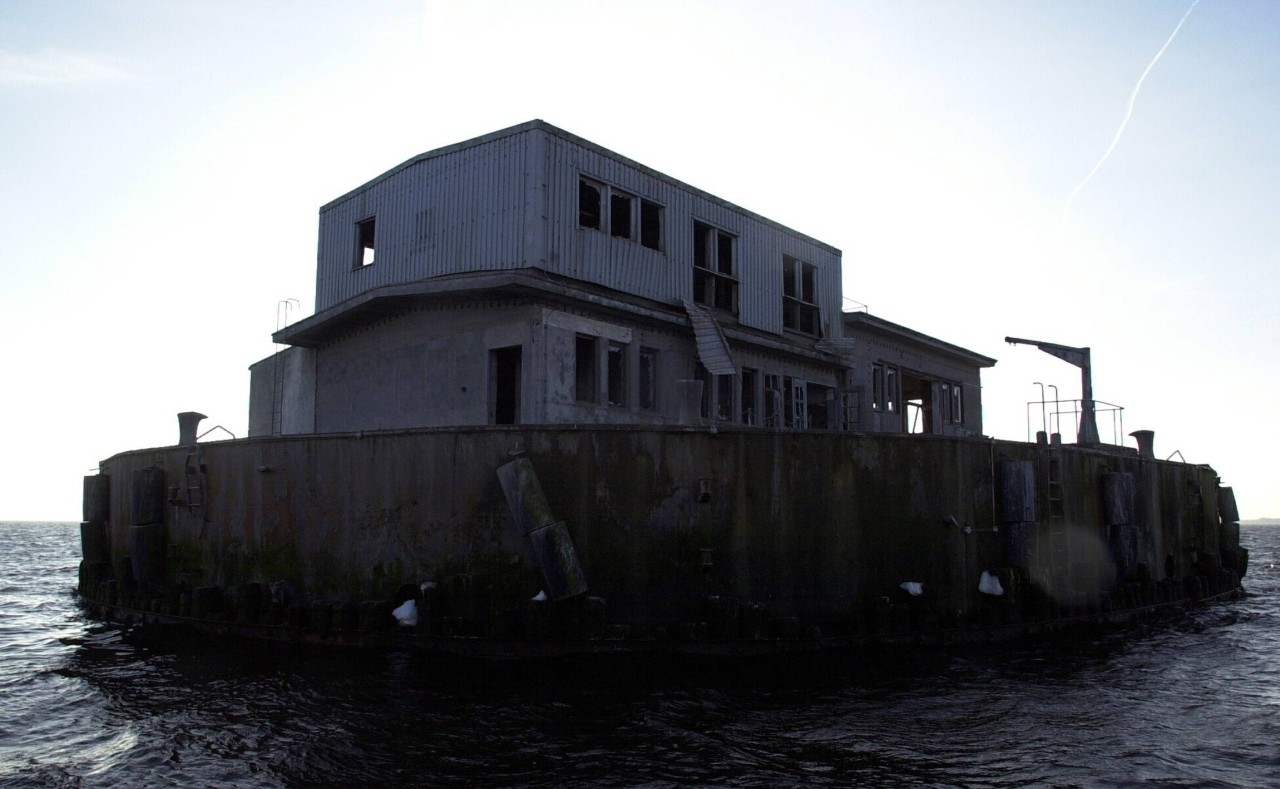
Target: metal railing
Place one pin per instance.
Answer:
(1053, 411)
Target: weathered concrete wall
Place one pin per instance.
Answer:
(294, 371)
(815, 526)
(431, 367)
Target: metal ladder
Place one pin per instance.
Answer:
(193, 473)
(1055, 519)
(277, 394)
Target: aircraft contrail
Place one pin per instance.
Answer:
(1133, 97)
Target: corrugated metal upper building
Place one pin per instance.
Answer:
(530, 276)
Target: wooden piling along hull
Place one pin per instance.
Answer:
(628, 539)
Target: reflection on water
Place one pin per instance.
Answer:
(1188, 701)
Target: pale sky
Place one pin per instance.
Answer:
(162, 164)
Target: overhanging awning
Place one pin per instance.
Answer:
(713, 348)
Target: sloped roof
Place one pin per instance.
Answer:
(860, 321)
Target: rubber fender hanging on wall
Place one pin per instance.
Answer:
(1227, 505)
(1117, 498)
(146, 554)
(97, 498)
(1017, 491)
(93, 542)
(552, 545)
(146, 496)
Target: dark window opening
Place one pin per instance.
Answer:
(364, 242)
(651, 225)
(918, 405)
(749, 410)
(648, 379)
(588, 204)
(808, 287)
(715, 287)
(877, 387)
(799, 296)
(818, 415)
(724, 253)
(890, 390)
(957, 404)
(620, 215)
(617, 374)
(584, 369)
(701, 237)
(773, 401)
(724, 398)
(700, 374)
(788, 403)
(504, 366)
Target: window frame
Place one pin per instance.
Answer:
(647, 379)
(586, 377)
(616, 379)
(717, 273)
(366, 241)
(644, 218)
(800, 297)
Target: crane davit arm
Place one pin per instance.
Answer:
(1080, 358)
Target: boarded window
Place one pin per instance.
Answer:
(588, 204)
(584, 369)
(365, 232)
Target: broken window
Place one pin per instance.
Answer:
(799, 296)
(364, 243)
(589, 204)
(890, 389)
(773, 404)
(724, 398)
(617, 374)
(651, 225)
(714, 281)
(584, 369)
(796, 403)
(700, 374)
(620, 215)
(877, 387)
(748, 396)
(851, 401)
(648, 379)
(818, 408)
(602, 207)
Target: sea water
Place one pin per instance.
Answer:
(1193, 701)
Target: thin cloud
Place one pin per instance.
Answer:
(1128, 113)
(50, 65)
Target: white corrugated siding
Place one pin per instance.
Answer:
(667, 276)
(460, 211)
(512, 202)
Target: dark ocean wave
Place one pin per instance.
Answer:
(1188, 702)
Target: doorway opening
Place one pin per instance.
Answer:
(504, 385)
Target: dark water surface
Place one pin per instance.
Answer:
(1191, 702)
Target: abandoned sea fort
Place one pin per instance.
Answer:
(552, 400)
